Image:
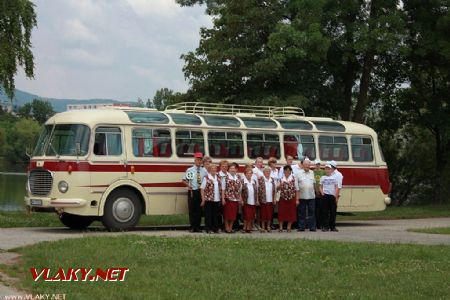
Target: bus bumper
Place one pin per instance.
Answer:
(34, 202)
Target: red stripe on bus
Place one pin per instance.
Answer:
(358, 176)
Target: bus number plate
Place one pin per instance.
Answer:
(36, 202)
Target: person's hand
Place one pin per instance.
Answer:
(241, 202)
(297, 202)
(203, 203)
(223, 202)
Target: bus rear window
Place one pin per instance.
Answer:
(151, 142)
(189, 142)
(225, 145)
(108, 141)
(333, 148)
(362, 150)
(263, 145)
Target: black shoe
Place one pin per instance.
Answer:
(300, 230)
(334, 229)
(196, 230)
(312, 230)
(325, 229)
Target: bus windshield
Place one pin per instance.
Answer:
(62, 139)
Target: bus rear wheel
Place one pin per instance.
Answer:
(75, 221)
(122, 210)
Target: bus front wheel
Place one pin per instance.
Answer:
(75, 221)
(122, 210)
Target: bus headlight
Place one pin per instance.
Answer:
(63, 186)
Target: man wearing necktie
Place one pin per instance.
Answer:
(193, 179)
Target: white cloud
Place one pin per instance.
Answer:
(120, 49)
(163, 8)
(76, 31)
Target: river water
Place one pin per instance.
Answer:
(12, 191)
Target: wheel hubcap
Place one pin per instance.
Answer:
(123, 209)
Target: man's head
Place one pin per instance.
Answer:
(333, 164)
(306, 164)
(198, 159)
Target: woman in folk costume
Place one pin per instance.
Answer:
(231, 197)
(210, 191)
(249, 198)
(287, 206)
(266, 199)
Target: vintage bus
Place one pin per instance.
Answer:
(116, 164)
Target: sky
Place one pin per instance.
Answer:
(115, 49)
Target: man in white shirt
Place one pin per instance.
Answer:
(307, 198)
(289, 162)
(329, 188)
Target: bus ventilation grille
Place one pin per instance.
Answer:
(40, 182)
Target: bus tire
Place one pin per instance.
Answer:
(122, 210)
(75, 221)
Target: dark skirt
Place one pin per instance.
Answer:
(230, 210)
(287, 211)
(266, 212)
(249, 212)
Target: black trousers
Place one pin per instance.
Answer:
(211, 215)
(195, 210)
(328, 209)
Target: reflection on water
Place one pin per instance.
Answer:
(12, 191)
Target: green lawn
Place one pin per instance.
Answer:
(435, 230)
(234, 268)
(21, 219)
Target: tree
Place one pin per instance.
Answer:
(164, 97)
(17, 19)
(22, 137)
(39, 110)
(320, 54)
(426, 102)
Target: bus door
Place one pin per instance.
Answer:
(109, 160)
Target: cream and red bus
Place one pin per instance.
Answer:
(116, 164)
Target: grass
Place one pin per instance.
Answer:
(235, 268)
(22, 219)
(435, 230)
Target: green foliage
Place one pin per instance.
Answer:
(17, 20)
(39, 110)
(164, 97)
(21, 139)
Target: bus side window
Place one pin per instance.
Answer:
(225, 144)
(299, 147)
(362, 150)
(333, 148)
(188, 142)
(263, 144)
(151, 142)
(108, 141)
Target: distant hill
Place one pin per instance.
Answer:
(59, 105)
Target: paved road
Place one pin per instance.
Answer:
(379, 231)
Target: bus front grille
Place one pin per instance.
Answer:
(40, 182)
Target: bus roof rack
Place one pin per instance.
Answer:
(235, 109)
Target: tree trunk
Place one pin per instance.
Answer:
(363, 96)
(349, 80)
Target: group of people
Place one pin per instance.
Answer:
(303, 193)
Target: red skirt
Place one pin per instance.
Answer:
(230, 210)
(266, 212)
(249, 212)
(287, 211)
